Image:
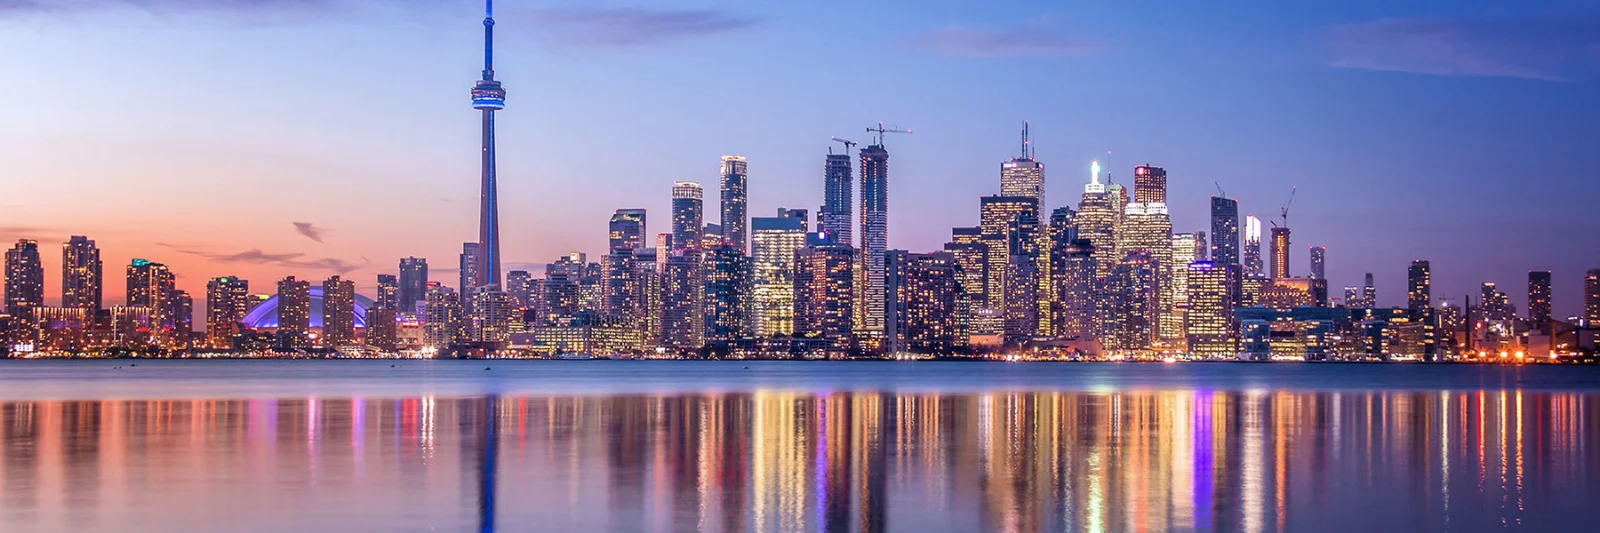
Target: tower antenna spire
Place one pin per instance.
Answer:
(488, 40)
(1026, 147)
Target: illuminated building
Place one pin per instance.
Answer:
(442, 324)
(1132, 303)
(874, 234)
(1301, 333)
(682, 279)
(182, 319)
(131, 327)
(413, 283)
(1224, 231)
(1209, 323)
(63, 329)
(488, 321)
(388, 295)
(82, 284)
(1352, 297)
(563, 285)
(1147, 228)
(972, 258)
(824, 295)
(469, 271)
(1496, 306)
(584, 334)
(774, 241)
(998, 218)
(1251, 253)
(1539, 301)
(1021, 306)
(24, 280)
(519, 287)
(294, 312)
(735, 182)
(152, 285)
(838, 203)
(687, 215)
(923, 292)
(1096, 220)
(623, 297)
(727, 293)
(1319, 257)
(1183, 253)
(1280, 253)
(383, 329)
(1289, 293)
(338, 312)
(263, 310)
(1419, 285)
(488, 96)
(227, 300)
(1149, 185)
(1397, 334)
(1369, 293)
(1591, 298)
(1072, 275)
(1023, 175)
(648, 305)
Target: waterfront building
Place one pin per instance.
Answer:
(924, 291)
(82, 283)
(413, 283)
(338, 312)
(488, 323)
(443, 322)
(1539, 301)
(1132, 300)
(874, 235)
(1147, 228)
(1210, 326)
(727, 293)
(1300, 333)
(1073, 277)
(388, 295)
(24, 280)
(293, 310)
(824, 296)
(775, 240)
(227, 301)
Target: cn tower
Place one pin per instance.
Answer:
(488, 96)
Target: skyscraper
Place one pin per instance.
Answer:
(824, 295)
(489, 322)
(837, 199)
(1149, 185)
(998, 216)
(1539, 301)
(1352, 297)
(81, 281)
(182, 320)
(1419, 285)
(24, 280)
(227, 300)
(1591, 298)
(682, 279)
(1023, 175)
(627, 229)
(874, 233)
(1369, 293)
(1183, 254)
(775, 241)
(727, 293)
(1146, 227)
(1319, 256)
(1132, 304)
(413, 283)
(338, 312)
(623, 297)
(1021, 284)
(488, 96)
(1073, 275)
(688, 212)
(1250, 254)
(152, 285)
(922, 294)
(735, 196)
(388, 293)
(1209, 321)
(294, 312)
(1096, 221)
(1280, 253)
(442, 322)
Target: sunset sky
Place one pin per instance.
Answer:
(263, 138)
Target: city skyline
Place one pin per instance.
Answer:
(953, 155)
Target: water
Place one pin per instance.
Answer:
(270, 446)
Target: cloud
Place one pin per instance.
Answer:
(613, 29)
(1537, 50)
(255, 256)
(1032, 39)
(309, 230)
(248, 11)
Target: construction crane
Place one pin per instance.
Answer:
(1284, 212)
(847, 145)
(1220, 192)
(880, 130)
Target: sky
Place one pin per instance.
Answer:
(263, 138)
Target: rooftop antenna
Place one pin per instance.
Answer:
(1027, 149)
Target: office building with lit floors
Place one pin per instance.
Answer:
(774, 242)
(413, 283)
(1097, 219)
(923, 292)
(824, 297)
(1279, 263)
(227, 301)
(1209, 323)
(1147, 228)
(82, 282)
(1073, 278)
(1419, 285)
(727, 293)
(1539, 302)
(488, 321)
(1591, 299)
(682, 303)
(735, 197)
(1250, 251)
(1131, 302)
(1225, 231)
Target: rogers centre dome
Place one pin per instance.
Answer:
(265, 314)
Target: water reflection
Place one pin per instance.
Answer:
(791, 461)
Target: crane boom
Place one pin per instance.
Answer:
(1285, 212)
(880, 130)
(1220, 192)
(848, 144)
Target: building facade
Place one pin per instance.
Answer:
(735, 199)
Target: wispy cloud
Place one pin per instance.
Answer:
(250, 11)
(1538, 50)
(1038, 38)
(613, 29)
(255, 256)
(309, 230)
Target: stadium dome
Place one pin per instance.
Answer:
(265, 314)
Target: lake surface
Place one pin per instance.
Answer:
(271, 446)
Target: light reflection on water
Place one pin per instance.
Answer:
(773, 460)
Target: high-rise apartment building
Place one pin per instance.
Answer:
(413, 283)
(442, 323)
(1352, 297)
(1369, 293)
(1250, 254)
(24, 280)
(227, 300)
(519, 287)
(775, 241)
(874, 234)
(824, 295)
(922, 292)
(727, 293)
(1280, 253)
(469, 274)
(1419, 285)
(1591, 298)
(1149, 185)
(838, 200)
(1539, 301)
(82, 283)
(489, 322)
(683, 279)
(294, 312)
(735, 197)
(1319, 257)
(388, 293)
(1209, 323)
(152, 285)
(338, 312)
